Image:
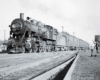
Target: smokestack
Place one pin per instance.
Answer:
(22, 16)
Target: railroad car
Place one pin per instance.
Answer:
(33, 36)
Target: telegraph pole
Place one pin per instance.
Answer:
(73, 40)
(62, 28)
(4, 34)
(73, 33)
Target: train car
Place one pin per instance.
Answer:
(83, 45)
(60, 42)
(74, 43)
(71, 41)
(34, 36)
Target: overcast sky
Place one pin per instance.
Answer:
(79, 16)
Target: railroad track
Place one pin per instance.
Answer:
(30, 67)
(51, 74)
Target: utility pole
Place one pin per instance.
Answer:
(4, 34)
(73, 33)
(62, 28)
(73, 40)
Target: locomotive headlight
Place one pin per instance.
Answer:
(16, 26)
(13, 26)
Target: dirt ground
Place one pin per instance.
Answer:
(87, 67)
(25, 66)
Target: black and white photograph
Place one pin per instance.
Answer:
(49, 39)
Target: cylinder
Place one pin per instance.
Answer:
(22, 16)
(97, 38)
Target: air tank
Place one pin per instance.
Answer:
(97, 38)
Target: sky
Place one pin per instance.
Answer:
(78, 17)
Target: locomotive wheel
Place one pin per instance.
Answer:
(23, 50)
(30, 51)
(40, 49)
(9, 52)
(47, 49)
(56, 49)
(44, 49)
(35, 49)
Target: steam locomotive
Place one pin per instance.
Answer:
(29, 35)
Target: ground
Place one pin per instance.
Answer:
(26, 66)
(87, 67)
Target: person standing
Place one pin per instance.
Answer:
(91, 51)
(96, 46)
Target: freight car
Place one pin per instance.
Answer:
(33, 36)
(71, 42)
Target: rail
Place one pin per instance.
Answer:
(50, 75)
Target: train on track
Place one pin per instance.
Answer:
(29, 35)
